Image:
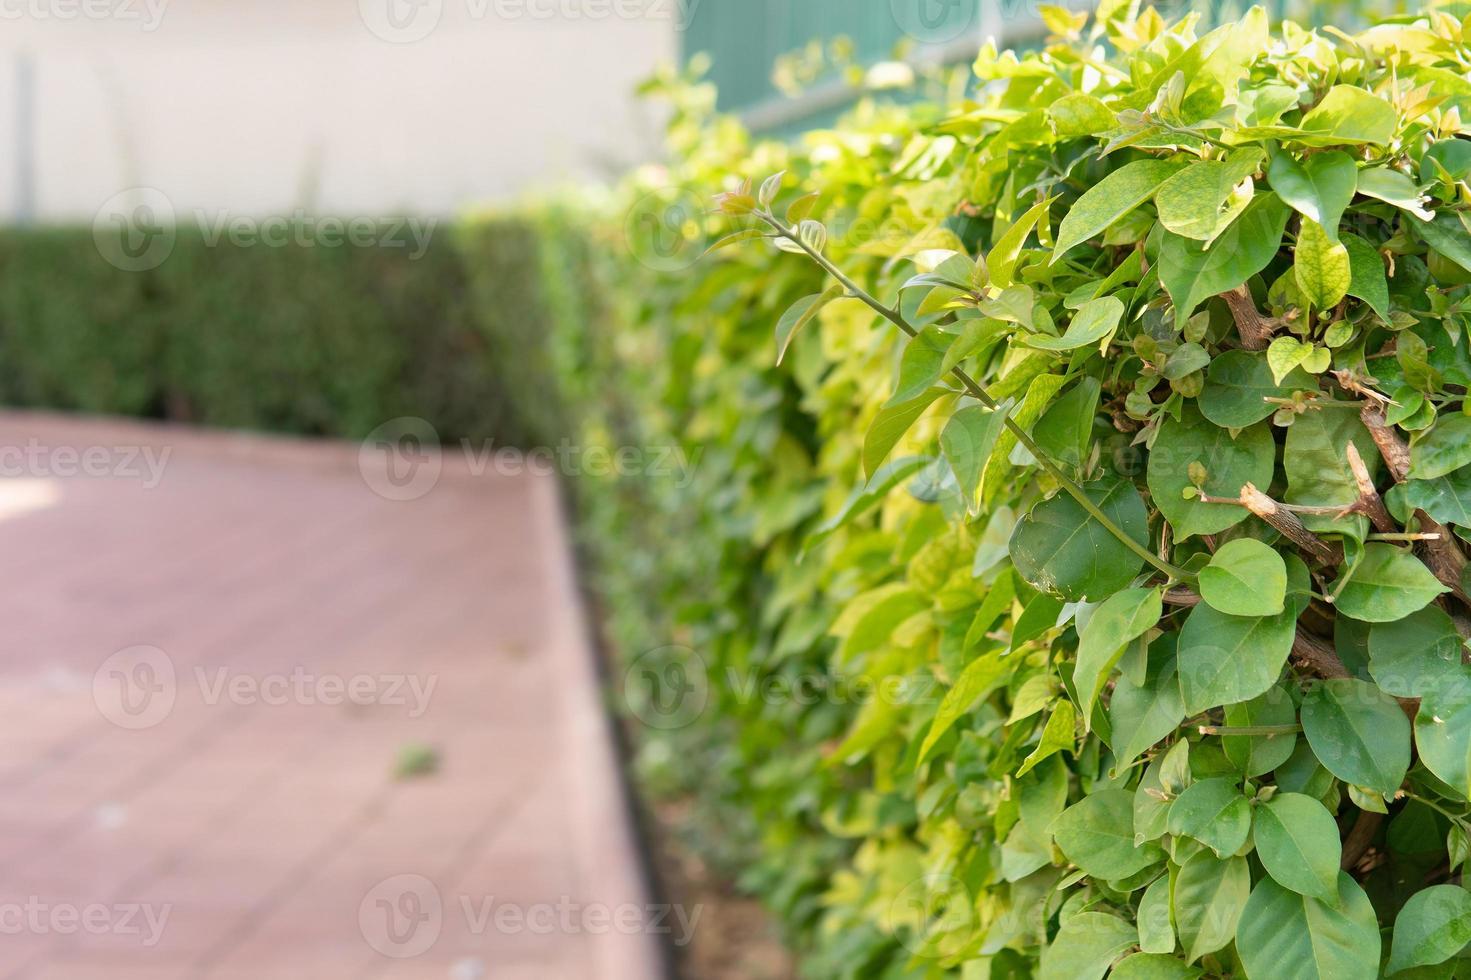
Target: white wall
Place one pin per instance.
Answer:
(257, 108)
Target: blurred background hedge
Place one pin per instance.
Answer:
(317, 341)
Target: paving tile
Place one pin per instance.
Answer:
(261, 810)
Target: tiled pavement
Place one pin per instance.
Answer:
(187, 791)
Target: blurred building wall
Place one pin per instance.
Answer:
(348, 107)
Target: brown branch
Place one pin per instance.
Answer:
(1442, 555)
(1181, 597)
(1370, 504)
(1360, 837)
(1256, 333)
(1318, 655)
(1289, 526)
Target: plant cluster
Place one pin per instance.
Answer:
(1166, 483)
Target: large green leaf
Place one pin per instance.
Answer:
(1214, 812)
(1443, 733)
(1410, 656)
(1359, 733)
(1297, 841)
(967, 441)
(1094, 321)
(1065, 431)
(1443, 450)
(1122, 618)
(1097, 834)
(1110, 199)
(1201, 200)
(1287, 936)
(1226, 659)
(1348, 114)
(1208, 898)
(1086, 946)
(1367, 280)
(1059, 548)
(1321, 266)
(1245, 578)
(1153, 966)
(1446, 498)
(1320, 187)
(1237, 387)
(1142, 715)
(1433, 926)
(1192, 273)
(1389, 583)
(1229, 464)
(890, 425)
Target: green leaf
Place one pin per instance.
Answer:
(1359, 733)
(1393, 187)
(1065, 430)
(1001, 261)
(1214, 812)
(1227, 659)
(967, 441)
(1297, 841)
(1321, 266)
(1110, 199)
(1349, 114)
(1156, 925)
(1192, 273)
(1389, 583)
(1320, 187)
(1057, 736)
(1245, 578)
(1143, 715)
(1316, 464)
(1447, 235)
(1443, 733)
(919, 367)
(890, 425)
(1230, 463)
(1256, 755)
(1366, 275)
(981, 677)
(1287, 936)
(1201, 200)
(1446, 498)
(1059, 548)
(1097, 834)
(1433, 926)
(1094, 321)
(1086, 946)
(1123, 617)
(1238, 385)
(1153, 966)
(1077, 114)
(1443, 450)
(1419, 653)
(799, 315)
(1209, 896)
(1285, 355)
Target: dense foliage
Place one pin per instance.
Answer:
(1120, 449)
(320, 340)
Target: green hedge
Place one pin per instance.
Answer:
(1034, 799)
(324, 341)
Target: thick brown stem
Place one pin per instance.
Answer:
(1370, 504)
(1360, 837)
(1318, 655)
(1255, 332)
(1289, 526)
(1181, 597)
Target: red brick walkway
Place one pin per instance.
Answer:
(208, 673)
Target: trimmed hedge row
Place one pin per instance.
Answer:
(1171, 674)
(321, 341)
